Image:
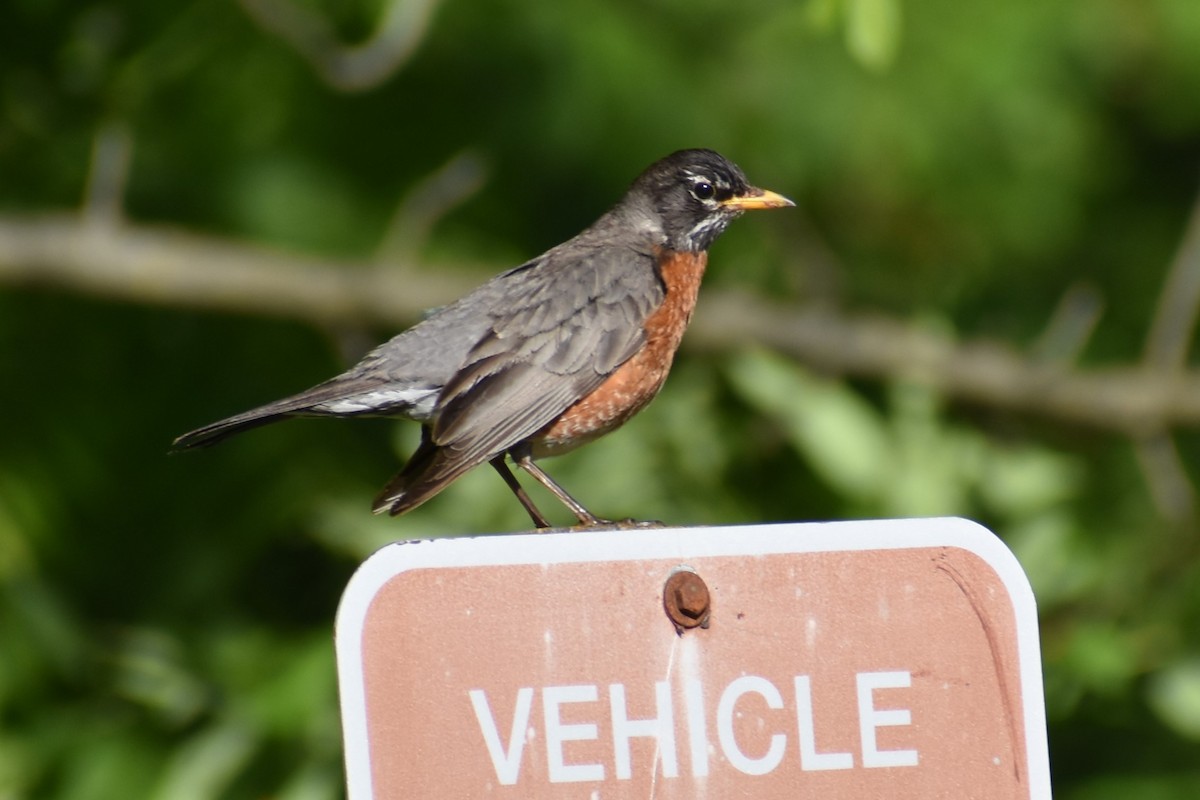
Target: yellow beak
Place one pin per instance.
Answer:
(757, 198)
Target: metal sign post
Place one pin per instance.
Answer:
(891, 659)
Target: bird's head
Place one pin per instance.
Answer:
(695, 194)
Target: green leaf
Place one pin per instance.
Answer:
(1102, 657)
(823, 14)
(1026, 480)
(206, 765)
(841, 436)
(1174, 694)
(935, 464)
(873, 32)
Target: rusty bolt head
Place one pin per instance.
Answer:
(686, 600)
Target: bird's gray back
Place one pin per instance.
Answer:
(576, 311)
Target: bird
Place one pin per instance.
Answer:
(546, 356)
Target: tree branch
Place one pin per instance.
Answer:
(171, 267)
(1174, 323)
(348, 68)
(1124, 399)
(104, 198)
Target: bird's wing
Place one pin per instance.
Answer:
(565, 324)
(569, 327)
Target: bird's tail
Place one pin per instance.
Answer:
(223, 429)
(430, 469)
(310, 402)
(305, 403)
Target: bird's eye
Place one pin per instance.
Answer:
(703, 190)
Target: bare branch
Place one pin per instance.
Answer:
(349, 68)
(1070, 326)
(1174, 322)
(1123, 399)
(172, 267)
(1170, 488)
(431, 199)
(104, 198)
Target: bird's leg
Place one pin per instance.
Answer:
(585, 517)
(538, 520)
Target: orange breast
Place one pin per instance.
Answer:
(635, 383)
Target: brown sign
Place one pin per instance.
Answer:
(890, 659)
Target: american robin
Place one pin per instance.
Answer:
(547, 356)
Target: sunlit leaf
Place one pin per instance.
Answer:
(203, 768)
(1174, 694)
(843, 438)
(873, 29)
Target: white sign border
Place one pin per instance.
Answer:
(682, 544)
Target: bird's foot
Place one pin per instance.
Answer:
(627, 524)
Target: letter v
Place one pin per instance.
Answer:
(506, 760)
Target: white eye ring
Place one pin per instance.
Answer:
(703, 190)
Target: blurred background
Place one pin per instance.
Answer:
(984, 305)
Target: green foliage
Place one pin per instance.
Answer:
(907, 460)
(1174, 694)
(165, 621)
